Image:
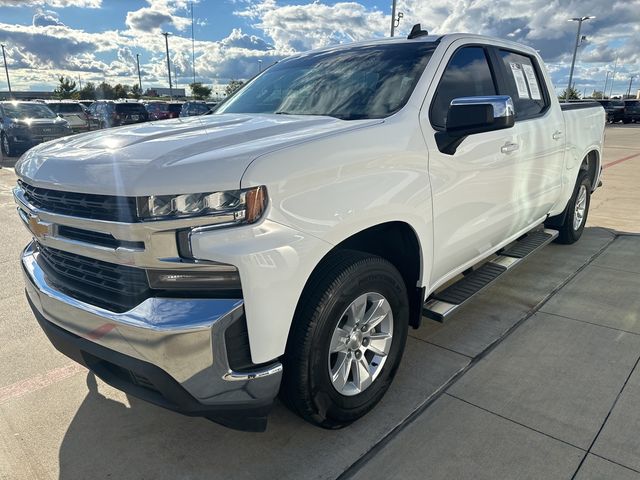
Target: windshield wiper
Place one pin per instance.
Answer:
(282, 112)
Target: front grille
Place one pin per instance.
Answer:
(108, 285)
(97, 238)
(85, 205)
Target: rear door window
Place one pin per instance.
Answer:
(524, 84)
(467, 75)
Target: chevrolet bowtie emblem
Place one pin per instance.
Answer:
(39, 228)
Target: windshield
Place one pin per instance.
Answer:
(65, 107)
(27, 110)
(371, 81)
(130, 107)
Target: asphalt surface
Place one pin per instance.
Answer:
(537, 377)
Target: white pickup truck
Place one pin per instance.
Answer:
(285, 243)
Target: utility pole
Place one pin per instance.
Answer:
(613, 77)
(629, 90)
(193, 47)
(80, 81)
(166, 41)
(575, 50)
(6, 70)
(393, 17)
(606, 80)
(139, 76)
(259, 66)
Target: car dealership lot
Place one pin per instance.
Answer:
(537, 371)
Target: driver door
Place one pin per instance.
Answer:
(474, 200)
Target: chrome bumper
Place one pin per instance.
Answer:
(183, 337)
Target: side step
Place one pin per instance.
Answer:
(442, 304)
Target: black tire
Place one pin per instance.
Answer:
(8, 149)
(306, 386)
(568, 233)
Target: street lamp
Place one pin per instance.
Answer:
(139, 76)
(630, 80)
(575, 49)
(606, 80)
(166, 41)
(6, 69)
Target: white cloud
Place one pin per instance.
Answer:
(52, 3)
(44, 18)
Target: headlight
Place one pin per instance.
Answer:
(233, 207)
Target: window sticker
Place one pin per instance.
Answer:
(521, 83)
(532, 81)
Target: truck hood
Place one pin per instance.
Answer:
(185, 155)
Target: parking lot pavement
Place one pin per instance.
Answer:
(536, 378)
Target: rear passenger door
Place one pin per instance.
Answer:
(539, 134)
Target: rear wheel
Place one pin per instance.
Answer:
(347, 339)
(577, 210)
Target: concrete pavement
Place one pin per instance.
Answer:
(536, 378)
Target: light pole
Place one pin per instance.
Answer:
(629, 90)
(139, 76)
(575, 50)
(393, 17)
(6, 69)
(613, 76)
(606, 80)
(193, 47)
(259, 66)
(166, 41)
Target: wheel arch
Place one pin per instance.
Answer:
(395, 241)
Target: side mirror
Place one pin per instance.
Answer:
(470, 115)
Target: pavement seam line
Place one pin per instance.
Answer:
(589, 323)
(440, 346)
(350, 471)
(613, 461)
(604, 422)
(616, 269)
(515, 421)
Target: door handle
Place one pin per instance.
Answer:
(509, 147)
(557, 135)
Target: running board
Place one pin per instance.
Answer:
(442, 304)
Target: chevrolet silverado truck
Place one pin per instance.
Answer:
(285, 243)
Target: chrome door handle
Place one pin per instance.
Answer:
(557, 135)
(509, 147)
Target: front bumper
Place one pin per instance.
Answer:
(169, 351)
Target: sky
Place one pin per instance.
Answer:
(97, 40)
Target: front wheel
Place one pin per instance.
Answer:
(7, 146)
(347, 339)
(577, 210)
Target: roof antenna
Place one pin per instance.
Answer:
(417, 31)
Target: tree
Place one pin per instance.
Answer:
(233, 85)
(200, 91)
(88, 92)
(105, 91)
(597, 94)
(136, 92)
(573, 94)
(66, 88)
(121, 91)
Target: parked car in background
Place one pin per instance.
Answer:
(25, 124)
(163, 110)
(212, 105)
(107, 113)
(86, 103)
(631, 111)
(72, 112)
(614, 109)
(192, 109)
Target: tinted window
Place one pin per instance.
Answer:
(369, 81)
(466, 75)
(524, 85)
(65, 107)
(175, 107)
(130, 108)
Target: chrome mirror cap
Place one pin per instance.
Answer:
(502, 104)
